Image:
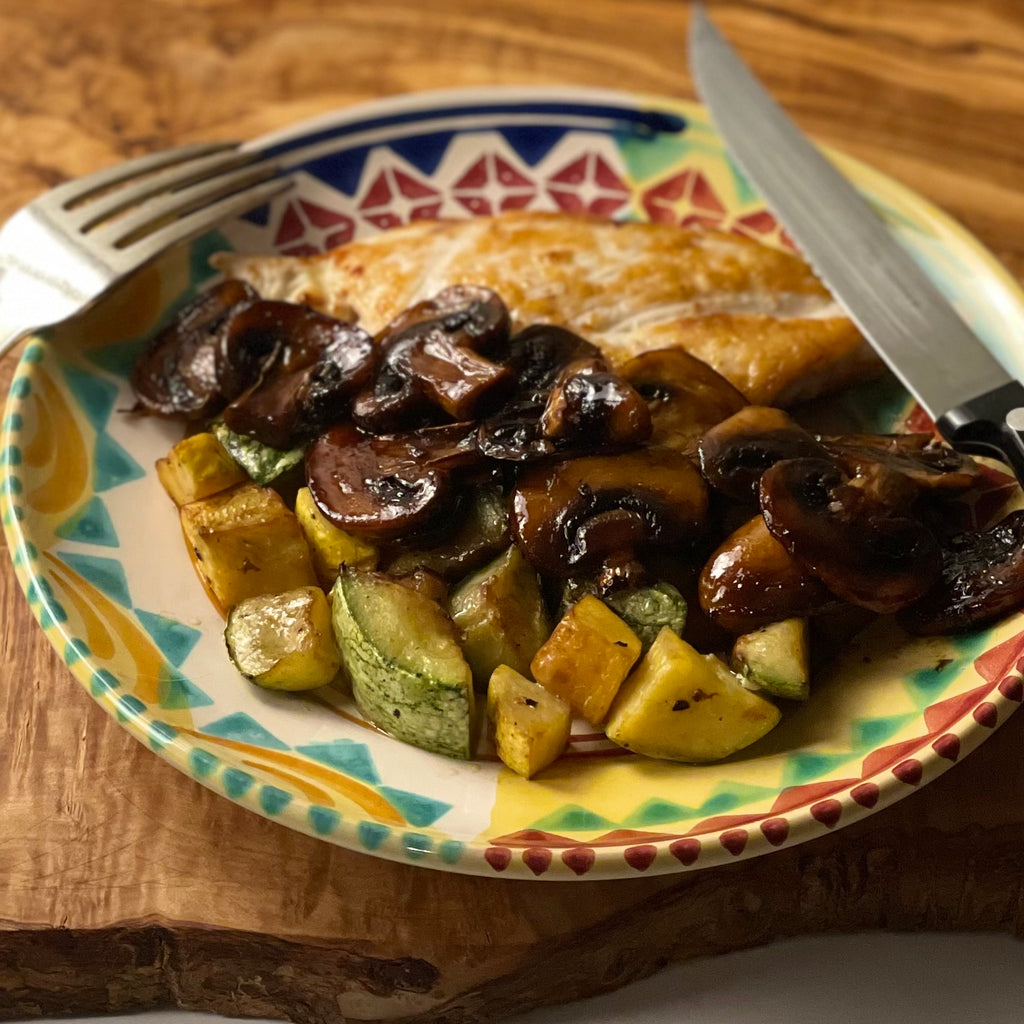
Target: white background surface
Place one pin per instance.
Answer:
(853, 979)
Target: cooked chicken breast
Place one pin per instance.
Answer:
(757, 315)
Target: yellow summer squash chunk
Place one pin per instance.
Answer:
(246, 542)
(197, 467)
(284, 641)
(681, 705)
(531, 725)
(329, 545)
(586, 658)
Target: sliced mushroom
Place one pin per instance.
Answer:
(176, 375)
(591, 407)
(269, 411)
(588, 408)
(575, 516)
(865, 552)
(929, 465)
(536, 358)
(387, 486)
(734, 453)
(449, 446)
(430, 362)
(345, 366)
(286, 405)
(270, 336)
(514, 434)
(392, 403)
(685, 395)
(537, 355)
(982, 580)
(457, 380)
(471, 316)
(751, 580)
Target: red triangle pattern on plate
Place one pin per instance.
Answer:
(942, 716)
(775, 830)
(588, 185)
(798, 796)
(886, 757)
(996, 663)
(579, 860)
(722, 821)
(491, 185)
(413, 188)
(290, 228)
(475, 176)
(606, 178)
(538, 860)
(828, 812)
(574, 173)
(321, 217)
(508, 176)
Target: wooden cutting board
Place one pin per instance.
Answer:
(124, 884)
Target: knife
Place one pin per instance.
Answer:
(975, 404)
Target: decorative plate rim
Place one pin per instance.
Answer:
(622, 853)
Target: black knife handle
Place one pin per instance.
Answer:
(991, 424)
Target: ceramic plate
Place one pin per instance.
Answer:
(97, 547)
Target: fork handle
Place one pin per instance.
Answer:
(28, 301)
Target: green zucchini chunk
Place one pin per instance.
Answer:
(775, 658)
(408, 674)
(502, 615)
(481, 534)
(263, 463)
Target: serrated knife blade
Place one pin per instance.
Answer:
(977, 406)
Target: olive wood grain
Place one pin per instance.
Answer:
(124, 884)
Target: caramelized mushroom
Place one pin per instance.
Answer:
(457, 380)
(270, 335)
(685, 396)
(430, 362)
(576, 515)
(176, 375)
(537, 354)
(392, 403)
(285, 404)
(734, 453)
(865, 552)
(982, 580)
(514, 434)
(591, 406)
(387, 486)
(471, 316)
(588, 407)
(344, 366)
(536, 357)
(752, 580)
(928, 464)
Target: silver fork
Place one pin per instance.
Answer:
(69, 247)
